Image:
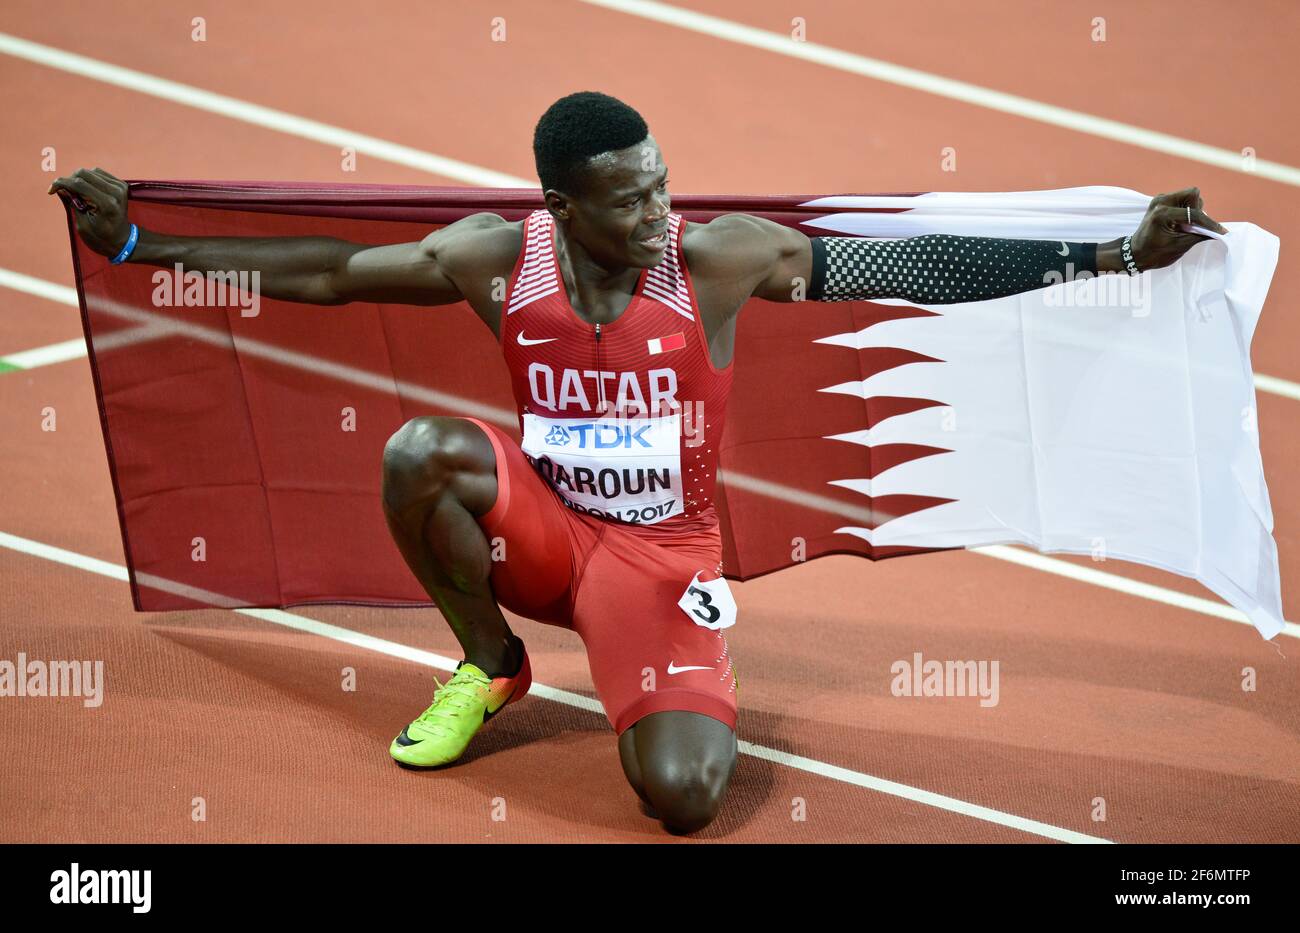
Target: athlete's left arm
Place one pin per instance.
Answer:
(786, 265)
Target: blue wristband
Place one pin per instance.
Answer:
(130, 245)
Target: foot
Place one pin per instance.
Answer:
(460, 707)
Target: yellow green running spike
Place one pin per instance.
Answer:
(460, 707)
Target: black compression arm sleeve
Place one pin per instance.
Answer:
(939, 269)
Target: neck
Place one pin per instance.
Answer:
(591, 283)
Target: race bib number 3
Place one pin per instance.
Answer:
(628, 469)
(709, 604)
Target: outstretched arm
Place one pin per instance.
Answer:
(786, 265)
(314, 270)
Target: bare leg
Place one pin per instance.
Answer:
(631, 764)
(680, 764)
(439, 475)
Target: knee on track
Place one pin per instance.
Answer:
(686, 796)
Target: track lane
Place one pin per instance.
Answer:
(735, 98)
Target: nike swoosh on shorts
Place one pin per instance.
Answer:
(673, 669)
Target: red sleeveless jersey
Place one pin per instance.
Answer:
(622, 419)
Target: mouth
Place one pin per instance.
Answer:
(655, 243)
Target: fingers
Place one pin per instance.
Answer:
(84, 181)
(103, 185)
(114, 184)
(1175, 219)
(93, 193)
(1188, 197)
(1170, 217)
(1202, 219)
(76, 186)
(1191, 197)
(109, 176)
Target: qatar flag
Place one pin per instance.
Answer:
(1113, 415)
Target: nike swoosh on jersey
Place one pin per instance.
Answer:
(525, 342)
(673, 669)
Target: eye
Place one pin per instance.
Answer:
(628, 205)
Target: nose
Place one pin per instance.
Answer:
(659, 207)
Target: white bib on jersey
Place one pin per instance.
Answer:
(629, 469)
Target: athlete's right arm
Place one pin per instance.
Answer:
(314, 270)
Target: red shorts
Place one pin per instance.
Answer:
(618, 586)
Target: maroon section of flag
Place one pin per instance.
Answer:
(245, 442)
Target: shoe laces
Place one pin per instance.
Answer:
(450, 700)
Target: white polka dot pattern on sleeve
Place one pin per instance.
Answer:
(942, 269)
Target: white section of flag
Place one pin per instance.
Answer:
(1124, 429)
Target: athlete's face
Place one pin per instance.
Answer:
(621, 217)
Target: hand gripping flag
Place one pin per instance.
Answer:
(1112, 417)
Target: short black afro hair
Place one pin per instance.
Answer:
(577, 127)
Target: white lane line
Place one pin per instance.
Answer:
(41, 288)
(45, 356)
(1111, 581)
(852, 63)
(265, 117)
(75, 349)
(441, 662)
(222, 339)
(1276, 386)
(908, 792)
(506, 418)
(67, 295)
(388, 151)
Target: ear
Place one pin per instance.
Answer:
(557, 204)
